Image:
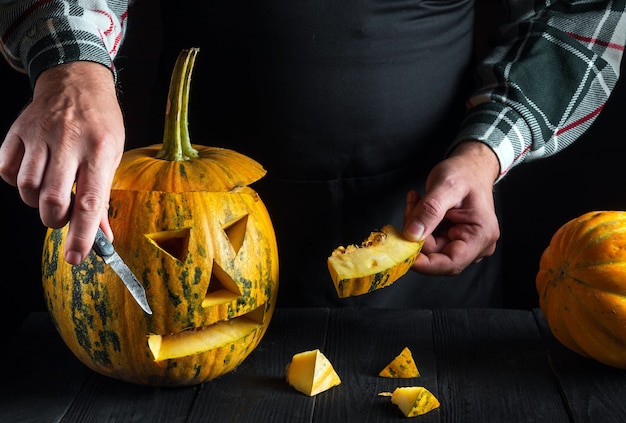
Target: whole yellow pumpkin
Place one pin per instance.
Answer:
(201, 242)
(582, 286)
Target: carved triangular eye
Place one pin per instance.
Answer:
(222, 288)
(235, 231)
(174, 243)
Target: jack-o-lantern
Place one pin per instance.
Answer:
(199, 240)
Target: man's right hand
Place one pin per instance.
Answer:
(71, 133)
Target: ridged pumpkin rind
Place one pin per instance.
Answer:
(581, 284)
(104, 327)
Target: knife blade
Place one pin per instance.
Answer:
(104, 248)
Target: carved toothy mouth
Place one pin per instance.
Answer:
(207, 338)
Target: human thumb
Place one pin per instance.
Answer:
(422, 215)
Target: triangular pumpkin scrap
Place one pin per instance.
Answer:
(403, 366)
(310, 372)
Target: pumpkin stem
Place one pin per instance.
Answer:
(176, 140)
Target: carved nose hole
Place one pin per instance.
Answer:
(222, 288)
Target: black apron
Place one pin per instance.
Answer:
(348, 105)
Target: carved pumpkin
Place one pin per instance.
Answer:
(202, 244)
(582, 286)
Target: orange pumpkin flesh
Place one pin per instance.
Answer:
(582, 286)
(201, 242)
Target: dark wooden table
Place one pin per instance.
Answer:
(484, 366)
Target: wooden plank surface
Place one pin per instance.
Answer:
(257, 390)
(593, 392)
(40, 376)
(361, 342)
(104, 399)
(492, 367)
(483, 365)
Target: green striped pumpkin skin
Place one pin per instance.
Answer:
(176, 244)
(370, 283)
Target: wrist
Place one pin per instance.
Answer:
(81, 73)
(481, 154)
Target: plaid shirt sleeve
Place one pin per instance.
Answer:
(539, 90)
(542, 87)
(36, 35)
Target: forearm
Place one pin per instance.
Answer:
(547, 80)
(36, 35)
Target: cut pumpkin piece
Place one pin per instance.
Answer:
(403, 366)
(380, 260)
(413, 400)
(310, 372)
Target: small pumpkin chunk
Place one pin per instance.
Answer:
(380, 260)
(413, 400)
(403, 366)
(310, 372)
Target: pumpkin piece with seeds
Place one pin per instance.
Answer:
(379, 261)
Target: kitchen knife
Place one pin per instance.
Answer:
(104, 248)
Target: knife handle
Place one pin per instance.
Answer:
(102, 246)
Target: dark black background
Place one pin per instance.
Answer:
(538, 197)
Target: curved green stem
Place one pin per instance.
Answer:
(176, 140)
